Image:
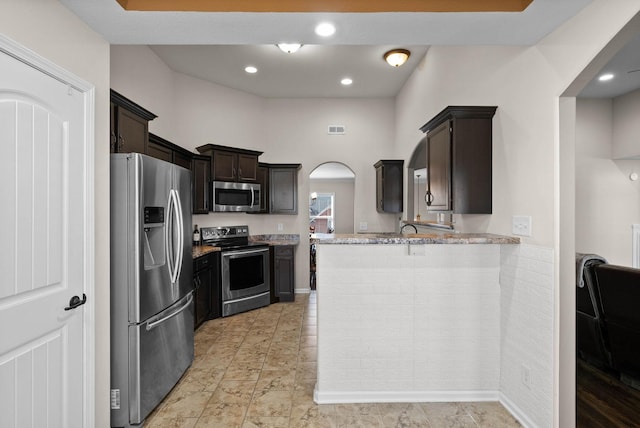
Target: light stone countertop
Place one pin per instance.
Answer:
(413, 238)
(277, 239)
(201, 250)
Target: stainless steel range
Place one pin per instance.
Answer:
(244, 268)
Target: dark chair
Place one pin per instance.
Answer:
(591, 334)
(620, 295)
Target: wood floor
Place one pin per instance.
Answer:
(603, 400)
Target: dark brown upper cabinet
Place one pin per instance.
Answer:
(201, 171)
(389, 186)
(163, 149)
(459, 160)
(129, 125)
(283, 188)
(278, 188)
(232, 164)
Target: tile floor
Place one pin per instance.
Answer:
(258, 369)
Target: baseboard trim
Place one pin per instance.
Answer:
(339, 397)
(516, 412)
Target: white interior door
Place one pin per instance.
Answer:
(45, 254)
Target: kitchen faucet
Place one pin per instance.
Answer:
(409, 224)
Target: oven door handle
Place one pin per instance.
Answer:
(243, 252)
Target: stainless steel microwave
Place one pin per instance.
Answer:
(232, 196)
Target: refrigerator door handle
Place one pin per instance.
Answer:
(180, 223)
(169, 238)
(174, 237)
(153, 323)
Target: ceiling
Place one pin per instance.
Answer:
(216, 46)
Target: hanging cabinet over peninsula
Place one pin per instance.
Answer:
(459, 160)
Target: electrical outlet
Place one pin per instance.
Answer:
(521, 225)
(525, 375)
(364, 225)
(280, 227)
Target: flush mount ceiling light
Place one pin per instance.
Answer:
(605, 77)
(397, 57)
(289, 47)
(251, 69)
(346, 81)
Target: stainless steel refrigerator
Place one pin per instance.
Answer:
(152, 306)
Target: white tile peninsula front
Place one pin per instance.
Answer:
(408, 321)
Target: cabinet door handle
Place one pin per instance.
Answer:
(114, 140)
(428, 198)
(120, 142)
(239, 172)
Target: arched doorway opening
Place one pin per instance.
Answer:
(331, 204)
(331, 198)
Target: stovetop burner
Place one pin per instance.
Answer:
(228, 237)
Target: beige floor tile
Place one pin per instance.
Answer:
(308, 354)
(197, 379)
(160, 422)
(265, 422)
(311, 340)
(403, 415)
(243, 371)
(227, 415)
(491, 414)
(277, 361)
(309, 415)
(303, 391)
(271, 403)
(234, 392)
(276, 380)
(258, 369)
(184, 405)
(307, 370)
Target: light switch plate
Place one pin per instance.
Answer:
(364, 225)
(280, 227)
(521, 225)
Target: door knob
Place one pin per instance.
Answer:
(75, 302)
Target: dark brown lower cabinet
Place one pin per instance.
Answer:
(282, 273)
(207, 288)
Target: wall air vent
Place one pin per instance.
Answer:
(336, 130)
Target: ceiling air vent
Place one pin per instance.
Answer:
(336, 130)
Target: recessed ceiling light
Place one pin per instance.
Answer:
(325, 29)
(346, 81)
(251, 69)
(289, 47)
(605, 77)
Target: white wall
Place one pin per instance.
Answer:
(607, 202)
(626, 127)
(52, 31)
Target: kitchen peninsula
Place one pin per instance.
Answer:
(409, 318)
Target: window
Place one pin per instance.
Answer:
(321, 212)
